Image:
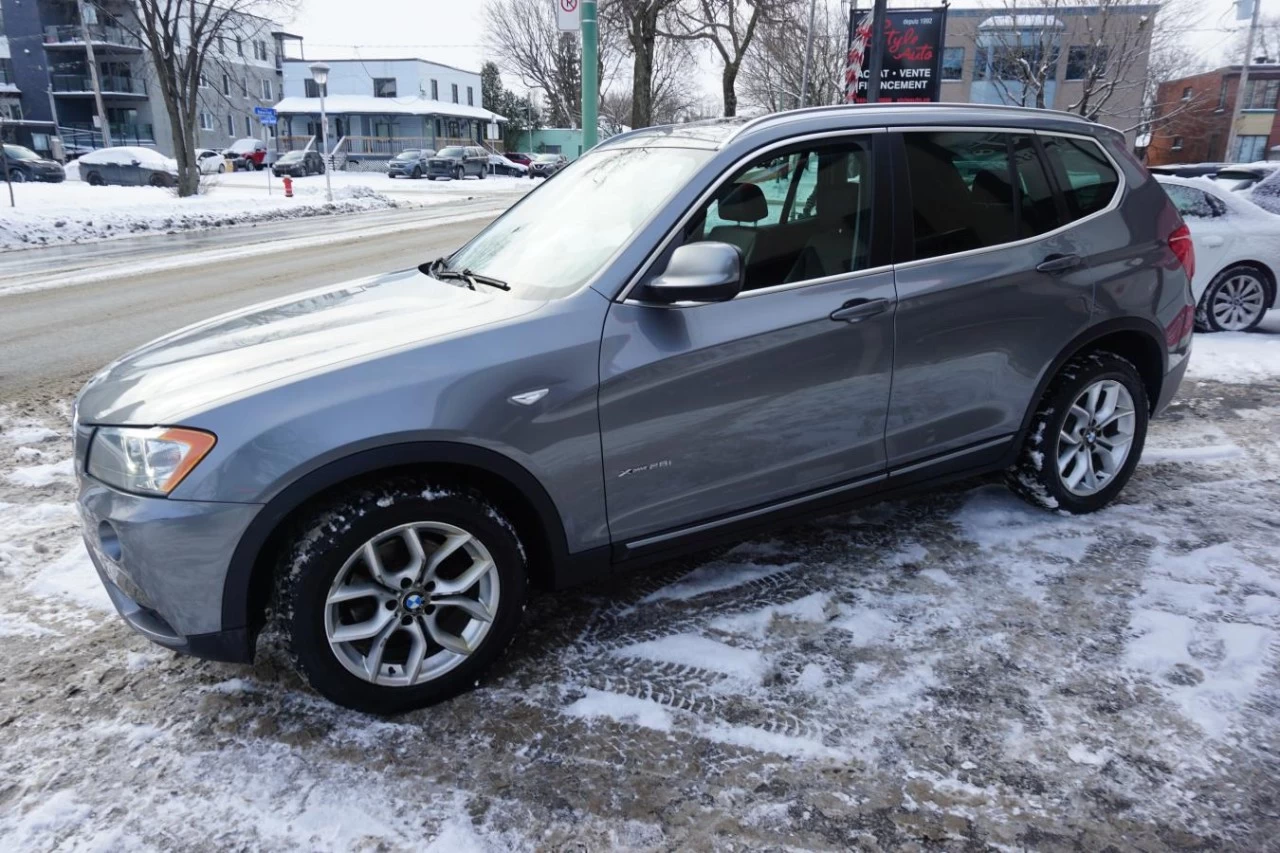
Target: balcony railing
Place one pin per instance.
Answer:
(82, 135)
(110, 84)
(71, 34)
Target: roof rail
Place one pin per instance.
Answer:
(764, 119)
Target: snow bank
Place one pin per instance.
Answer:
(1240, 357)
(57, 214)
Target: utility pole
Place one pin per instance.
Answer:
(1241, 90)
(93, 76)
(808, 57)
(590, 76)
(876, 67)
(4, 164)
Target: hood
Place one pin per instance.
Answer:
(231, 356)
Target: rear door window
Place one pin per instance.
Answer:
(1089, 182)
(1193, 203)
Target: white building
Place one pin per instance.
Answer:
(378, 107)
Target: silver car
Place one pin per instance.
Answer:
(692, 331)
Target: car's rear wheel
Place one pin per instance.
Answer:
(484, 171)
(94, 179)
(158, 181)
(17, 176)
(459, 174)
(401, 595)
(417, 173)
(1086, 435)
(1235, 301)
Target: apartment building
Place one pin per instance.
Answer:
(46, 89)
(1194, 120)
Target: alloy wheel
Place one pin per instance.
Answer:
(412, 603)
(1096, 437)
(1238, 302)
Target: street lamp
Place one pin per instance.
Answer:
(320, 73)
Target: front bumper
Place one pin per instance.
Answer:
(164, 563)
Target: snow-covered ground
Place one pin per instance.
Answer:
(74, 212)
(953, 671)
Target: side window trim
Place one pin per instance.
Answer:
(665, 245)
(902, 197)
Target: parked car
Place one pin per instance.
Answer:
(653, 352)
(500, 165)
(1237, 254)
(409, 163)
(247, 153)
(457, 162)
(299, 164)
(27, 165)
(1188, 170)
(128, 165)
(546, 165)
(211, 162)
(517, 157)
(1242, 177)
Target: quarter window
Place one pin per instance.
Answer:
(795, 216)
(1086, 176)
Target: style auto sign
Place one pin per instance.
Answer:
(912, 69)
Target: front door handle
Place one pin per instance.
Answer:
(857, 310)
(1059, 263)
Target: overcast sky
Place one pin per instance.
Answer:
(451, 31)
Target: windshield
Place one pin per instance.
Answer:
(547, 158)
(18, 152)
(291, 157)
(558, 237)
(411, 154)
(451, 152)
(243, 146)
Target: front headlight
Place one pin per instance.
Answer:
(148, 460)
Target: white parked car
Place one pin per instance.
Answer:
(211, 162)
(1237, 247)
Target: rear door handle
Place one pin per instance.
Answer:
(1059, 263)
(857, 310)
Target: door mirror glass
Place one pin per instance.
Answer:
(699, 272)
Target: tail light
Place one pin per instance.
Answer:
(1180, 243)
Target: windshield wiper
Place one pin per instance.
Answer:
(439, 268)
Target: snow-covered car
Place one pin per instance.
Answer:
(1237, 252)
(1243, 176)
(128, 165)
(211, 162)
(247, 153)
(1266, 193)
(500, 165)
(410, 163)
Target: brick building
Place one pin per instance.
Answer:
(1196, 113)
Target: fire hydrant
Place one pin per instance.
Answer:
(288, 187)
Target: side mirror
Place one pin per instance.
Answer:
(135, 162)
(699, 272)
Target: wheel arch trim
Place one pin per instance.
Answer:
(237, 593)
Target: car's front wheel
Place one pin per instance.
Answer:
(17, 176)
(1086, 435)
(401, 595)
(1235, 301)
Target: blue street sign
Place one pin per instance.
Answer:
(266, 115)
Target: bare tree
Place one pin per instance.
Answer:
(674, 96)
(729, 27)
(772, 68)
(181, 38)
(522, 35)
(638, 21)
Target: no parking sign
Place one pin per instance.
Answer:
(567, 15)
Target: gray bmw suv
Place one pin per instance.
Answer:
(692, 331)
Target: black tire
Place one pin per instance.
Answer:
(459, 173)
(1035, 476)
(17, 176)
(321, 549)
(484, 173)
(158, 181)
(417, 173)
(1206, 321)
(94, 179)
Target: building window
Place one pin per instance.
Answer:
(222, 45)
(226, 84)
(231, 125)
(1222, 94)
(248, 126)
(384, 87)
(1177, 143)
(260, 50)
(1187, 93)
(239, 46)
(266, 90)
(439, 128)
(471, 98)
(952, 63)
(1261, 94)
(435, 90)
(312, 90)
(455, 93)
(1250, 149)
(244, 87)
(1085, 62)
(206, 121)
